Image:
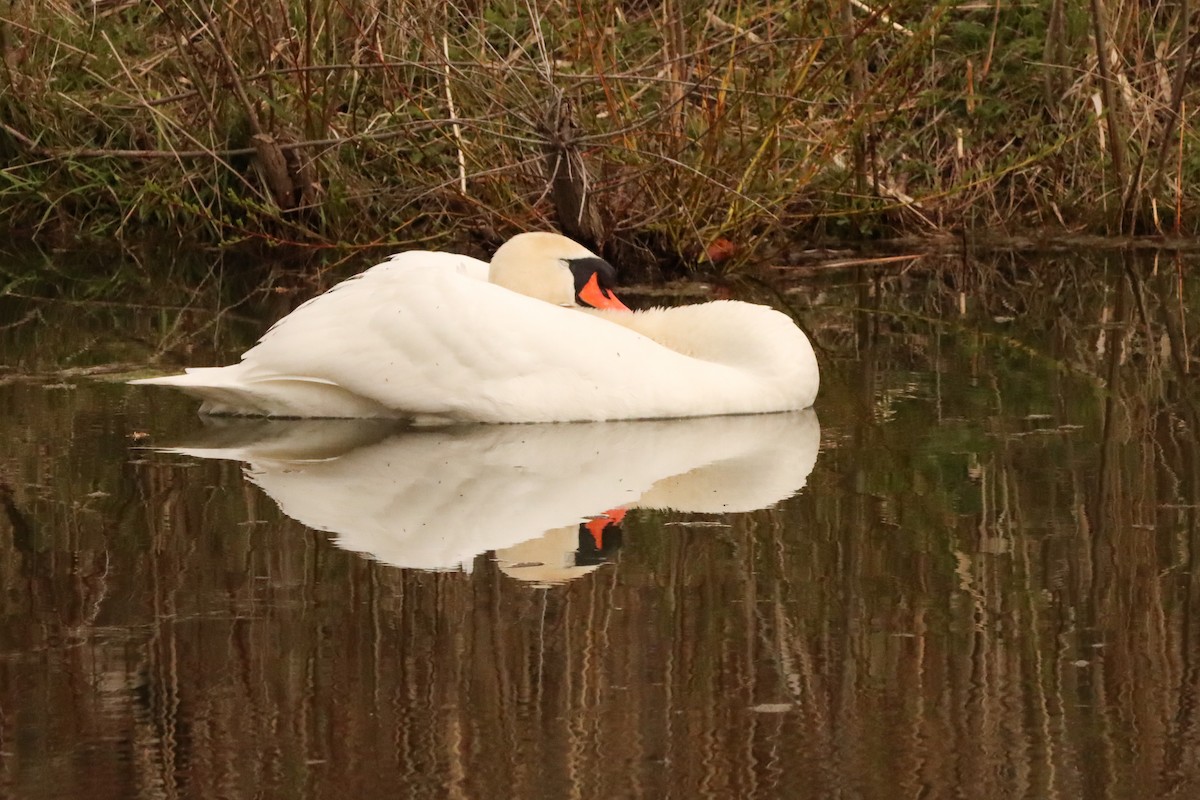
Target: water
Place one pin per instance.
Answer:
(968, 574)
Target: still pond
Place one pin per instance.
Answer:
(968, 572)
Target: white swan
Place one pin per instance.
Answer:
(435, 498)
(542, 339)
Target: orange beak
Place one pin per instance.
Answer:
(597, 525)
(594, 296)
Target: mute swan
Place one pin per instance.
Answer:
(536, 336)
(435, 498)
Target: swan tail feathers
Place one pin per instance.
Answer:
(194, 377)
(228, 391)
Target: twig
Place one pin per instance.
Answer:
(29, 144)
(707, 178)
(154, 112)
(574, 77)
(1187, 348)
(1175, 112)
(987, 61)
(1117, 149)
(851, 262)
(69, 373)
(30, 315)
(881, 16)
(717, 22)
(93, 152)
(1179, 170)
(231, 69)
(454, 126)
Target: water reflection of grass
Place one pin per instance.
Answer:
(1062, 542)
(988, 582)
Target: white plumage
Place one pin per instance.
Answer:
(434, 498)
(425, 335)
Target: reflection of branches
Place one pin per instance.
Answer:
(1054, 312)
(1176, 326)
(22, 530)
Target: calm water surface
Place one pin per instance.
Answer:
(968, 573)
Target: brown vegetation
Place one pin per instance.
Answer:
(658, 127)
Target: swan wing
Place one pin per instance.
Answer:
(425, 335)
(420, 339)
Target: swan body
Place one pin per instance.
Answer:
(435, 498)
(444, 336)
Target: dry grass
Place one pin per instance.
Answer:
(660, 128)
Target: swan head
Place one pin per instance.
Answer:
(550, 267)
(563, 554)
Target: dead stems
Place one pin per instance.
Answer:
(320, 118)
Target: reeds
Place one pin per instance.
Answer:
(657, 128)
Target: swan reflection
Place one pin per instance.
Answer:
(548, 499)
